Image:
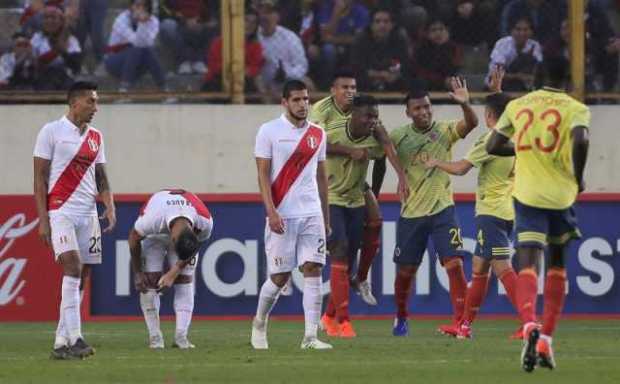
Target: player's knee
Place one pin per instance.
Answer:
(480, 266)
(71, 264)
(151, 279)
(183, 279)
(452, 262)
(407, 270)
(338, 250)
(311, 269)
(374, 223)
(280, 279)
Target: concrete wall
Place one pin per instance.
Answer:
(209, 148)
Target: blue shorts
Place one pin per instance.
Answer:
(493, 237)
(537, 227)
(412, 237)
(347, 226)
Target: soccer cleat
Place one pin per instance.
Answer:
(314, 343)
(545, 354)
(345, 330)
(448, 329)
(81, 350)
(181, 342)
(156, 341)
(259, 334)
(518, 334)
(61, 353)
(366, 292)
(463, 331)
(329, 325)
(401, 327)
(529, 356)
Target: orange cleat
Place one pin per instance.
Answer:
(448, 329)
(329, 325)
(545, 354)
(346, 330)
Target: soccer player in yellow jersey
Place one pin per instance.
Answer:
(494, 211)
(549, 132)
(328, 112)
(346, 178)
(429, 210)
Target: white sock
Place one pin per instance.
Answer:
(62, 337)
(149, 302)
(70, 308)
(183, 307)
(312, 305)
(267, 299)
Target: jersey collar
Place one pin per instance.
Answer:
(340, 111)
(66, 120)
(350, 136)
(290, 125)
(414, 129)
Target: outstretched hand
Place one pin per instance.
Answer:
(497, 76)
(459, 93)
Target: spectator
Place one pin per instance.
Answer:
(57, 51)
(283, 51)
(519, 55)
(253, 58)
(131, 47)
(438, 58)
(544, 16)
(340, 21)
(380, 55)
(471, 25)
(186, 33)
(17, 66)
(90, 20)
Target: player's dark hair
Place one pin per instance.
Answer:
(556, 72)
(78, 88)
(345, 73)
(363, 100)
(292, 85)
(497, 102)
(519, 19)
(417, 90)
(148, 5)
(187, 244)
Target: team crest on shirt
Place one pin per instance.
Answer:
(433, 136)
(312, 142)
(92, 144)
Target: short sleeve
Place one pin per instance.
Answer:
(145, 225)
(478, 154)
(101, 154)
(581, 117)
(44, 146)
(453, 134)
(323, 148)
(504, 125)
(262, 147)
(205, 226)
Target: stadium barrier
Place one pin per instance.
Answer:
(231, 266)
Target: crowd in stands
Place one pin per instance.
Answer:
(388, 44)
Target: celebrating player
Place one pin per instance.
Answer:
(429, 210)
(172, 224)
(346, 203)
(494, 211)
(292, 178)
(69, 172)
(550, 131)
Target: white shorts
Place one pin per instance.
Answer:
(76, 233)
(155, 250)
(303, 241)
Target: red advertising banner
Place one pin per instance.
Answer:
(29, 278)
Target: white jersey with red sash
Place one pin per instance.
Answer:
(73, 156)
(294, 153)
(167, 205)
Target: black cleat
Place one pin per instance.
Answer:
(61, 353)
(529, 356)
(81, 350)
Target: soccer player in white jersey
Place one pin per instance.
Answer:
(69, 172)
(292, 178)
(172, 224)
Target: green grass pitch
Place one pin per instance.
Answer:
(587, 352)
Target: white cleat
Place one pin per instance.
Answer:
(366, 292)
(156, 341)
(181, 342)
(314, 343)
(259, 334)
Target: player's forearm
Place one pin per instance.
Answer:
(40, 192)
(500, 145)
(264, 187)
(338, 150)
(470, 119)
(458, 168)
(581, 144)
(390, 153)
(135, 250)
(378, 174)
(108, 199)
(323, 188)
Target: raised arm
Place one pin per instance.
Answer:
(460, 95)
(41, 184)
(581, 142)
(103, 187)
